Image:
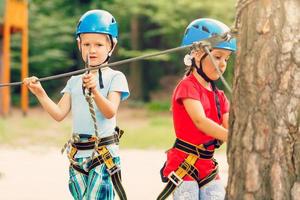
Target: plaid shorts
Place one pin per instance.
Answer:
(97, 185)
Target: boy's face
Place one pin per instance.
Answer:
(221, 57)
(96, 45)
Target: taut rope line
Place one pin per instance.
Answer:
(203, 43)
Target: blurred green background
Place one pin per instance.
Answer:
(144, 26)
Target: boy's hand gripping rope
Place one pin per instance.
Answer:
(89, 98)
(75, 138)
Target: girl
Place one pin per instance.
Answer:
(200, 116)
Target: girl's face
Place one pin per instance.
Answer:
(221, 57)
(96, 45)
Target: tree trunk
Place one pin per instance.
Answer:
(136, 72)
(264, 142)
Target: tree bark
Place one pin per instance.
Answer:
(264, 142)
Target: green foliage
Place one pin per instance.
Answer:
(158, 106)
(53, 47)
(155, 133)
(142, 130)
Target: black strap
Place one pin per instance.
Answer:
(215, 142)
(193, 172)
(95, 162)
(200, 68)
(113, 139)
(115, 175)
(210, 177)
(176, 181)
(207, 79)
(170, 187)
(115, 171)
(100, 76)
(190, 148)
(77, 168)
(117, 182)
(163, 178)
(218, 105)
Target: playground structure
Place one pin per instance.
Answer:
(13, 19)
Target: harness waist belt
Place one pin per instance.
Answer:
(91, 144)
(199, 151)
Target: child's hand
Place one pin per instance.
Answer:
(89, 81)
(34, 85)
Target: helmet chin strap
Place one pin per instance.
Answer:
(113, 44)
(200, 68)
(207, 79)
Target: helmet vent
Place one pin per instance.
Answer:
(187, 31)
(204, 28)
(78, 24)
(112, 20)
(196, 26)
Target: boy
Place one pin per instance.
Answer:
(94, 99)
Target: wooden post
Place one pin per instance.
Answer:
(6, 60)
(1, 72)
(24, 72)
(15, 19)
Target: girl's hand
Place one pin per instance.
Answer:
(34, 85)
(89, 81)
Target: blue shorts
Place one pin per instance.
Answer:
(189, 190)
(97, 185)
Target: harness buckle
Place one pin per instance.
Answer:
(107, 158)
(198, 152)
(113, 170)
(185, 166)
(175, 178)
(199, 148)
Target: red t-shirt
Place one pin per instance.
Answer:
(190, 88)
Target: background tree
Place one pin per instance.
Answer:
(145, 27)
(264, 145)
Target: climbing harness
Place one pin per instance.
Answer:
(187, 167)
(100, 154)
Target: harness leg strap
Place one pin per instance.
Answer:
(175, 177)
(114, 172)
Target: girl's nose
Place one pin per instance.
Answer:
(223, 63)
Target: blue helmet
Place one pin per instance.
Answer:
(97, 21)
(204, 28)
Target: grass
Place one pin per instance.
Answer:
(35, 129)
(144, 129)
(156, 132)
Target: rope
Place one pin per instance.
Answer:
(89, 98)
(206, 49)
(212, 41)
